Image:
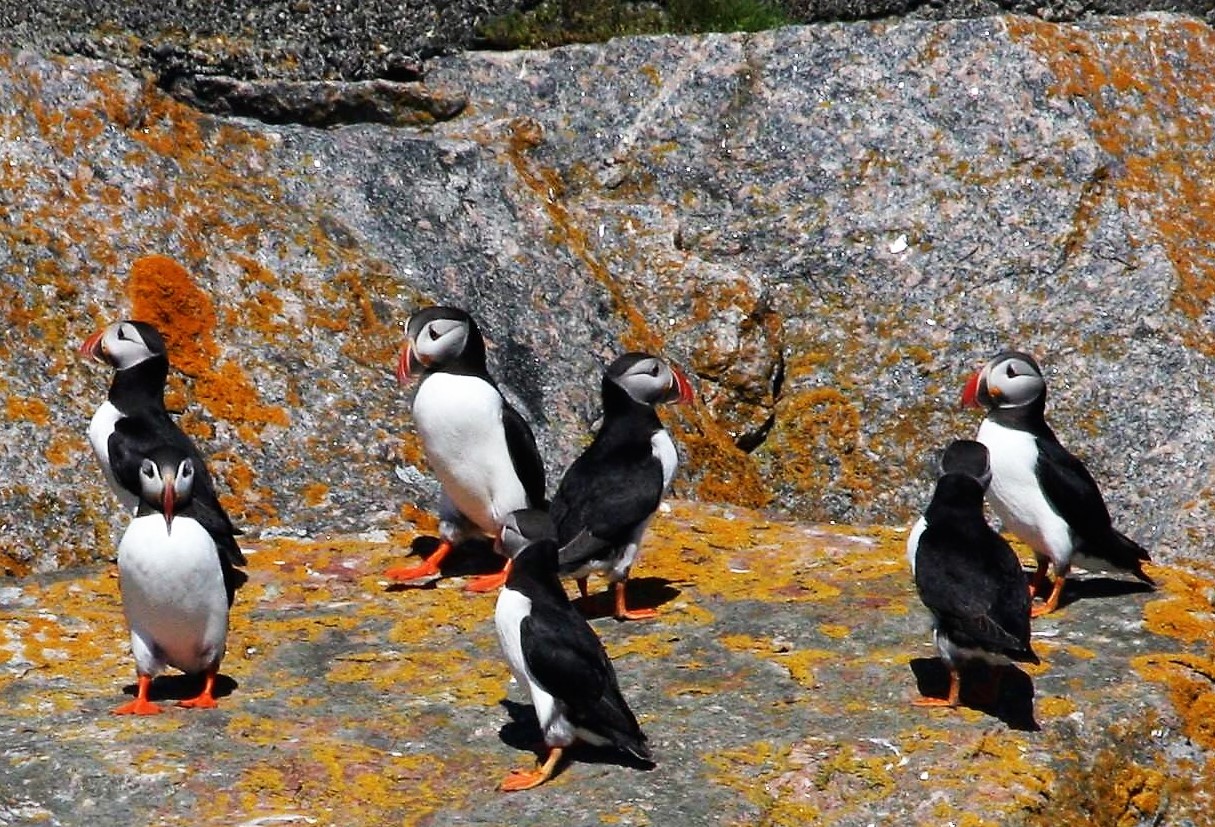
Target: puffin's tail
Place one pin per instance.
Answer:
(1129, 555)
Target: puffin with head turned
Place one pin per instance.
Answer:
(611, 491)
(481, 449)
(1041, 492)
(177, 585)
(133, 422)
(966, 574)
(556, 655)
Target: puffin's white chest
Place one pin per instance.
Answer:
(173, 590)
(101, 426)
(1016, 496)
(459, 419)
(512, 607)
(913, 541)
(664, 450)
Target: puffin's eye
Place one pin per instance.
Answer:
(1012, 372)
(122, 335)
(434, 334)
(654, 369)
(147, 469)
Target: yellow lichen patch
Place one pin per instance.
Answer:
(812, 424)
(1190, 681)
(740, 555)
(750, 770)
(1185, 612)
(1055, 707)
(657, 645)
(1002, 762)
(28, 409)
(834, 630)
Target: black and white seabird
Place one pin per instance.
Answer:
(609, 494)
(554, 653)
(480, 448)
(177, 585)
(1042, 493)
(967, 575)
(133, 422)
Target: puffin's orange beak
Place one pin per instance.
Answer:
(92, 346)
(409, 364)
(970, 394)
(168, 503)
(683, 388)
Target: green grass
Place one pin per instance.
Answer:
(559, 22)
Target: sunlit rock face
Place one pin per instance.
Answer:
(829, 227)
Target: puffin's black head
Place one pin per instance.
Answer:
(438, 338)
(166, 481)
(1011, 380)
(126, 344)
(524, 527)
(649, 379)
(967, 457)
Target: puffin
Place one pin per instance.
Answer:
(481, 449)
(1041, 492)
(177, 585)
(967, 575)
(553, 652)
(133, 421)
(606, 499)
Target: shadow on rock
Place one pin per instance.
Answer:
(183, 687)
(522, 732)
(472, 557)
(643, 592)
(1013, 704)
(1097, 587)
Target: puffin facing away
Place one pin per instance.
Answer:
(967, 575)
(1042, 493)
(609, 494)
(176, 584)
(554, 653)
(480, 448)
(133, 421)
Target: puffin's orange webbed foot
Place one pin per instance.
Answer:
(489, 582)
(1052, 602)
(623, 612)
(527, 779)
(141, 705)
(427, 568)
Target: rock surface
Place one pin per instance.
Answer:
(774, 686)
(829, 226)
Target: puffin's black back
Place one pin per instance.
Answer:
(616, 483)
(968, 576)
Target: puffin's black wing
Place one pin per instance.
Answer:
(601, 501)
(524, 455)
(1071, 490)
(970, 579)
(568, 660)
(136, 437)
(1074, 494)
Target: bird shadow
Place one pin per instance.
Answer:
(643, 593)
(183, 687)
(1013, 703)
(522, 732)
(473, 556)
(1098, 587)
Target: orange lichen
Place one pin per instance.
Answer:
(28, 409)
(1164, 163)
(314, 494)
(162, 293)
